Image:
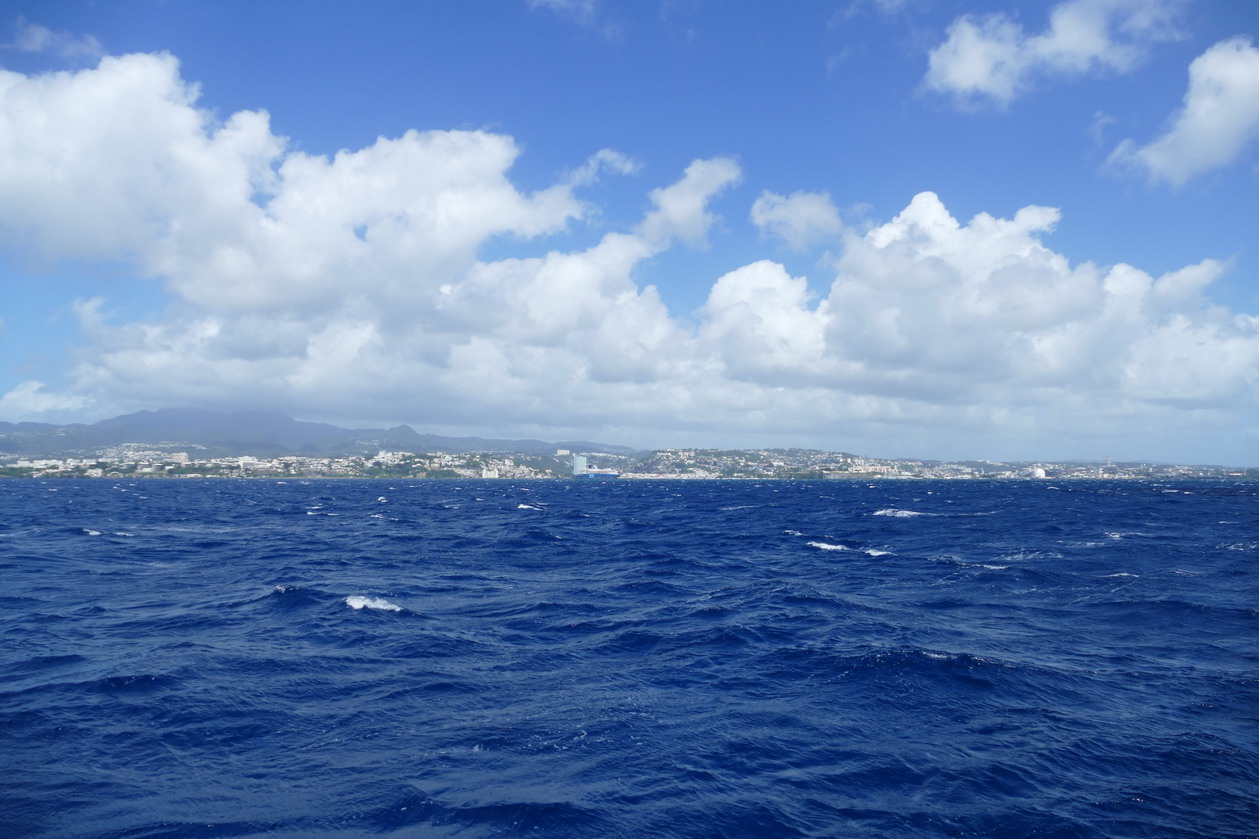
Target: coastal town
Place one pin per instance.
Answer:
(176, 460)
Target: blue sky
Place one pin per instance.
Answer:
(934, 229)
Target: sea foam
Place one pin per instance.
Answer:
(358, 601)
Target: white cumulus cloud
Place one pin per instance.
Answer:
(992, 58)
(680, 209)
(801, 220)
(762, 325)
(985, 313)
(32, 401)
(34, 38)
(356, 286)
(231, 221)
(1219, 120)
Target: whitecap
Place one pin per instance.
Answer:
(900, 514)
(527, 507)
(823, 546)
(793, 532)
(876, 552)
(358, 601)
(382, 500)
(1121, 574)
(1026, 555)
(376, 516)
(87, 531)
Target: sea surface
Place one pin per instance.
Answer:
(206, 658)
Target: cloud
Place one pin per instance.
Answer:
(985, 313)
(1097, 128)
(587, 13)
(228, 219)
(1219, 120)
(680, 210)
(889, 6)
(604, 160)
(993, 59)
(760, 324)
(33, 38)
(800, 220)
(31, 401)
(357, 287)
(581, 10)
(125, 134)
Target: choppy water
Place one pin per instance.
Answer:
(628, 659)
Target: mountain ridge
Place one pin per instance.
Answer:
(257, 433)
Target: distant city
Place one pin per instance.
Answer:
(171, 461)
(195, 443)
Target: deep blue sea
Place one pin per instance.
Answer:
(628, 659)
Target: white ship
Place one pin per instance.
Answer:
(583, 470)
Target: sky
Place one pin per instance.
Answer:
(953, 229)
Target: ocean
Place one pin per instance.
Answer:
(213, 658)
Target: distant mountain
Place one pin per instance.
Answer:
(257, 433)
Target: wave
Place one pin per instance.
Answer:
(665, 668)
(897, 513)
(357, 601)
(827, 546)
(139, 683)
(294, 597)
